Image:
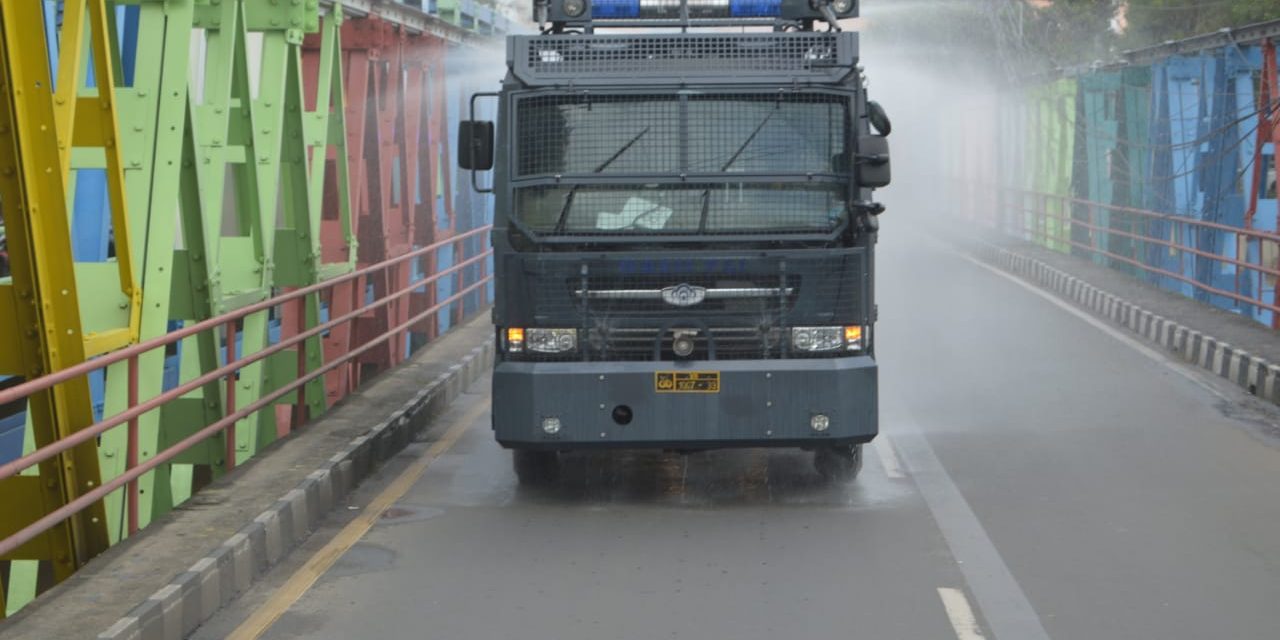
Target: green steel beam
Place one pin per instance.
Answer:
(247, 175)
(1052, 141)
(154, 124)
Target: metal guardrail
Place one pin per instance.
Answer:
(1050, 219)
(227, 373)
(413, 20)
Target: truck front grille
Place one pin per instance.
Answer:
(627, 306)
(653, 343)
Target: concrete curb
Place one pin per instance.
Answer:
(193, 596)
(1255, 375)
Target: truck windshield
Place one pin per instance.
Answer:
(700, 163)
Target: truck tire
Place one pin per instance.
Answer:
(838, 464)
(535, 468)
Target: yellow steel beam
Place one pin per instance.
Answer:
(70, 50)
(104, 72)
(10, 343)
(87, 118)
(107, 341)
(88, 131)
(21, 497)
(47, 313)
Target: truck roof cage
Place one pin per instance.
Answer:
(557, 15)
(703, 58)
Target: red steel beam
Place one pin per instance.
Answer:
(394, 86)
(1268, 131)
(395, 119)
(381, 232)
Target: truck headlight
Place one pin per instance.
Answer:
(818, 339)
(551, 340)
(574, 8)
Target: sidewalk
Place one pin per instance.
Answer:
(1234, 347)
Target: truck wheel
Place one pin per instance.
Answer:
(838, 464)
(536, 467)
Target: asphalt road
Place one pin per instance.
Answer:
(1036, 473)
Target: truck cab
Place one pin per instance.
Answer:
(684, 238)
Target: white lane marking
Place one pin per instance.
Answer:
(888, 457)
(1152, 354)
(1005, 607)
(960, 614)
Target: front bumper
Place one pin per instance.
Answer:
(761, 403)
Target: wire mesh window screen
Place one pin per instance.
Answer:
(566, 134)
(796, 133)
(682, 208)
(801, 133)
(711, 54)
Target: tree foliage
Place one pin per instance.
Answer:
(1079, 31)
(1153, 21)
(1030, 36)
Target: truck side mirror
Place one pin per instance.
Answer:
(872, 162)
(475, 145)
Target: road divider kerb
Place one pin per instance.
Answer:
(217, 578)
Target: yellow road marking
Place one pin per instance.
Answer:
(302, 580)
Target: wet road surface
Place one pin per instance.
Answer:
(1037, 473)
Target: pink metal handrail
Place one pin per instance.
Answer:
(1092, 226)
(26, 534)
(134, 469)
(234, 365)
(1257, 234)
(47, 381)
(1040, 211)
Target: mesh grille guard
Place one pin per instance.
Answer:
(714, 58)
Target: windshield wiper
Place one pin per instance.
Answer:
(563, 218)
(706, 193)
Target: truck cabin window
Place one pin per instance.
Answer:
(682, 163)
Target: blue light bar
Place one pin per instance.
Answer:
(755, 8)
(696, 9)
(615, 9)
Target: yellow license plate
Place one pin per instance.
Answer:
(687, 381)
